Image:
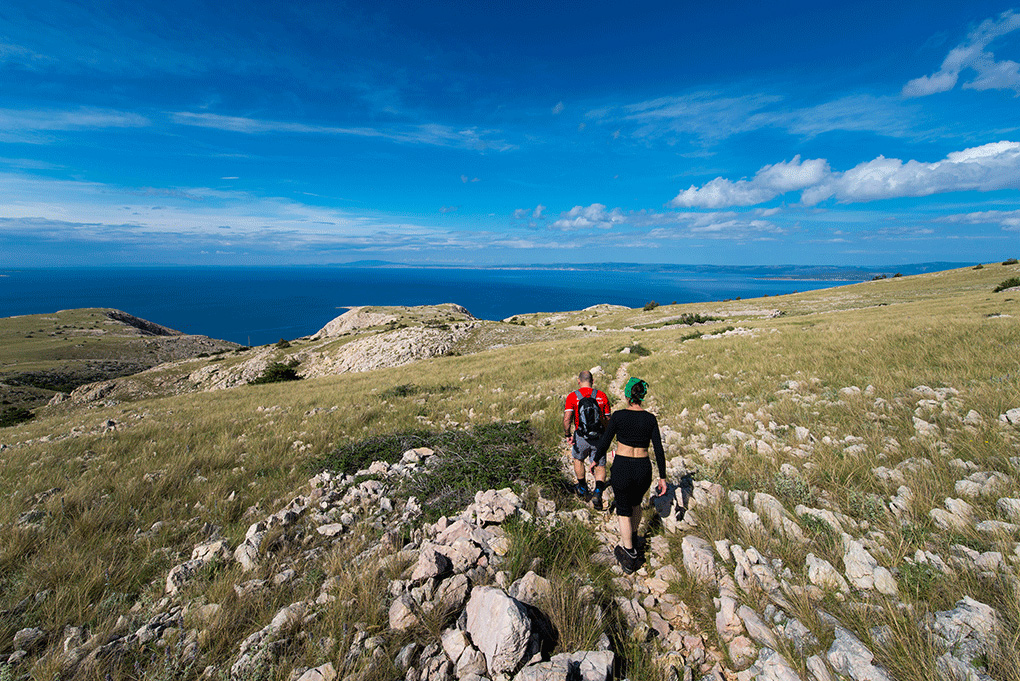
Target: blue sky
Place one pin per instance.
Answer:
(498, 133)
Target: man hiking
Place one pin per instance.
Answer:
(586, 413)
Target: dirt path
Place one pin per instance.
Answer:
(616, 385)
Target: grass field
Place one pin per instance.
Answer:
(117, 505)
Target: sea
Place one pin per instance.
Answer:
(259, 305)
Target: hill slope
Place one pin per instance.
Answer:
(854, 508)
(45, 354)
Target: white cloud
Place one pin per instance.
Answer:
(428, 133)
(19, 125)
(537, 214)
(984, 168)
(1009, 220)
(973, 55)
(558, 109)
(768, 183)
(712, 116)
(521, 213)
(588, 217)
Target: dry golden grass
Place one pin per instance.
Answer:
(177, 460)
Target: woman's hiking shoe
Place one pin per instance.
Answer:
(638, 542)
(628, 559)
(596, 500)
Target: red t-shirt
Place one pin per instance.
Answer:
(600, 398)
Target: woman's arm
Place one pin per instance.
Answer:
(660, 454)
(607, 438)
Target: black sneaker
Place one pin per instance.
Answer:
(628, 560)
(596, 500)
(638, 542)
(581, 490)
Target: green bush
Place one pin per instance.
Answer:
(408, 389)
(11, 416)
(1011, 261)
(637, 349)
(283, 343)
(484, 457)
(979, 266)
(690, 319)
(1009, 283)
(651, 305)
(277, 372)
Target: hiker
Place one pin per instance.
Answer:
(634, 428)
(587, 411)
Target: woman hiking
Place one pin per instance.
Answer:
(634, 428)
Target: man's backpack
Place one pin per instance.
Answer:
(589, 415)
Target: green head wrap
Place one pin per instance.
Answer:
(636, 389)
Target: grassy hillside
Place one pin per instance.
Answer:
(45, 354)
(814, 398)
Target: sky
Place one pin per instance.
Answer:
(497, 133)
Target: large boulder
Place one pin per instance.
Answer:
(499, 627)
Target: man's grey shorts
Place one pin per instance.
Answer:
(583, 449)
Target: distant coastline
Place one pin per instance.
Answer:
(258, 305)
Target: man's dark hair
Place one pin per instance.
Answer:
(585, 377)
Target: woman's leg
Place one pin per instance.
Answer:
(626, 533)
(635, 520)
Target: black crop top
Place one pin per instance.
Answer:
(635, 429)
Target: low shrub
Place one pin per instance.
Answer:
(408, 389)
(865, 506)
(651, 305)
(1011, 261)
(918, 579)
(1009, 283)
(979, 266)
(277, 372)
(11, 416)
(283, 343)
(637, 349)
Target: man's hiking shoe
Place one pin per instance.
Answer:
(596, 500)
(581, 490)
(628, 559)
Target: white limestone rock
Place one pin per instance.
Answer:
(849, 657)
(822, 574)
(699, 559)
(499, 627)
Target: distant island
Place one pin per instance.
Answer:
(782, 272)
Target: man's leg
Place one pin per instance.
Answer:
(600, 486)
(582, 487)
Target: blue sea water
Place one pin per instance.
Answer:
(254, 306)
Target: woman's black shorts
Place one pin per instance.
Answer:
(630, 477)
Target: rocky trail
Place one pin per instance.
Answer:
(500, 629)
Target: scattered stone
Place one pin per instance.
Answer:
(822, 574)
(402, 613)
(863, 571)
(850, 657)
(770, 666)
(698, 558)
(321, 673)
